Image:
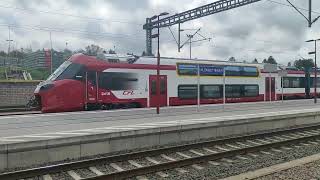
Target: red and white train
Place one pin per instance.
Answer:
(108, 81)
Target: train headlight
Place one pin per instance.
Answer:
(46, 87)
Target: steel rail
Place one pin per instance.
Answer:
(200, 159)
(152, 152)
(14, 113)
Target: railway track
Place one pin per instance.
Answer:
(24, 112)
(16, 110)
(157, 162)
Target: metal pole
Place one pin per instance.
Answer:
(269, 86)
(282, 89)
(198, 88)
(158, 70)
(310, 11)
(265, 89)
(51, 54)
(315, 71)
(9, 47)
(86, 91)
(148, 38)
(179, 37)
(224, 86)
(190, 46)
(97, 88)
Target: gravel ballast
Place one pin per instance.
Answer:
(304, 172)
(210, 171)
(242, 166)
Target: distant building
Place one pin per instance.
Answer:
(10, 62)
(41, 59)
(66, 54)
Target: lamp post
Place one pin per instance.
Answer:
(158, 57)
(51, 54)
(315, 67)
(9, 43)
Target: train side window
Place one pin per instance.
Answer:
(118, 81)
(293, 82)
(286, 82)
(104, 80)
(233, 70)
(187, 91)
(211, 91)
(251, 90)
(187, 69)
(250, 71)
(91, 75)
(153, 87)
(233, 91)
(162, 86)
(312, 83)
(217, 70)
(71, 71)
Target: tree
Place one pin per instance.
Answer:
(79, 51)
(67, 54)
(2, 53)
(232, 59)
(93, 50)
(265, 61)
(255, 61)
(111, 51)
(271, 60)
(289, 64)
(17, 54)
(304, 64)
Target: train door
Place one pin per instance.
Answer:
(91, 86)
(153, 99)
(270, 87)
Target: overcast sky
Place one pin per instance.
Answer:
(253, 31)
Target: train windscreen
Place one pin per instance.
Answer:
(72, 71)
(67, 70)
(59, 70)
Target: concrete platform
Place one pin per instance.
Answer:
(36, 139)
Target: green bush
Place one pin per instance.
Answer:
(2, 76)
(36, 74)
(39, 74)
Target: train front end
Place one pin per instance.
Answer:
(63, 90)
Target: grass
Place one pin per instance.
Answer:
(19, 81)
(39, 74)
(36, 74)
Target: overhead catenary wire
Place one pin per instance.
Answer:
(70, 15)
(288, 5)
(98, 34)
(113, 20)
(102, 35)
(254, 50)
(72, 31)
(101, 19)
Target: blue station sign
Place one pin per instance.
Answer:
(205, 69)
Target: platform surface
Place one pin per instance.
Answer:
(35, 127)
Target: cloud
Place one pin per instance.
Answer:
(253, 31)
